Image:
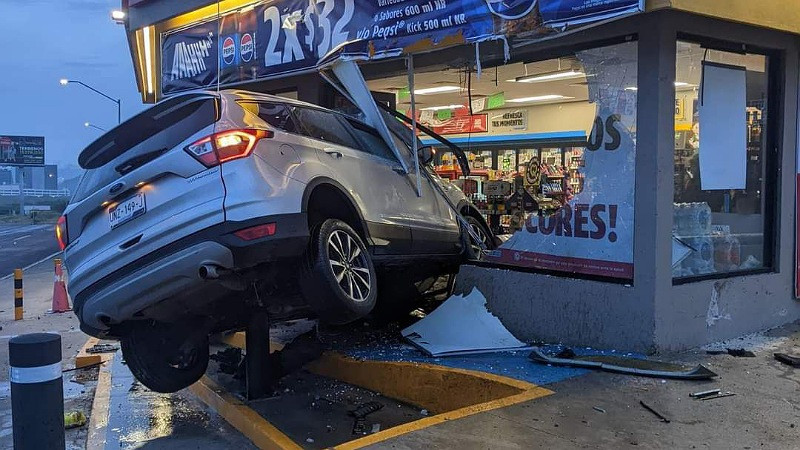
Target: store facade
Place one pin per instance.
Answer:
(658, 152)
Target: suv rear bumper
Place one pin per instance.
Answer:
(173, 270)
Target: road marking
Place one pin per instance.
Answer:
(98, 419)
(34, 264)
(21, 238)
(262, 433)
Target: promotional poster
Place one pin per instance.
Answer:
(592, 233)
(21, 151)
(288, 36)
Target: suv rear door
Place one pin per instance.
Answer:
(141, 166)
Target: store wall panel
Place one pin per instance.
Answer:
(536, 308)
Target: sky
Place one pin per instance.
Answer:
(46, 40)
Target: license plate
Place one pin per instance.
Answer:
(128, 209)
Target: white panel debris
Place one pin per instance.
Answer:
(462, 326)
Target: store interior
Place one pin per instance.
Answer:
(524, 137)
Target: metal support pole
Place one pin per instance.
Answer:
(257, 355)
(37, 392)
(414, 147)
(18, 311)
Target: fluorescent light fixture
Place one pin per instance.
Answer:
(118, 16)
(148, 59)
(63, 81)
(436, 90)
(552, 76)
(437, 108)
(677, 84)
(538, 98)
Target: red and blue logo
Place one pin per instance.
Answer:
(247, 47)
(511, 9)
(228, 50)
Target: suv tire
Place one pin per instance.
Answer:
(151, 351)
(339, 279)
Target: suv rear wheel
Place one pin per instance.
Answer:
(339, 280)
(165, 358)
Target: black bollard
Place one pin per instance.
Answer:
(37, 392)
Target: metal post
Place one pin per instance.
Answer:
(414, 146)
(18, 311)
(257, 355)
(37, 392)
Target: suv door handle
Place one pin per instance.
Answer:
(333, 153)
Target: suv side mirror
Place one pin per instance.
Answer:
(426, 155)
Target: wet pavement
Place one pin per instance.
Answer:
(140, 418)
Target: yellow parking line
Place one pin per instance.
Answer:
(98, 418)
(262, 433)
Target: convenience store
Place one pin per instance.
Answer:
(642, 237)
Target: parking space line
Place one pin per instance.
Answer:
(98, 419)
(262, 433)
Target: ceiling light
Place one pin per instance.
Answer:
(538, 98)
(437, 108)
(552, 76)
(436, 90)
(681, 84)
(678, 84)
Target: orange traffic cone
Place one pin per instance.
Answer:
(60, 302)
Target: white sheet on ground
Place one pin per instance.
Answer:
(461, 326)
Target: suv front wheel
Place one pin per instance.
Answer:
(339, 280)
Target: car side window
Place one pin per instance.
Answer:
(371, 141)
(324, 126)
(278, 116)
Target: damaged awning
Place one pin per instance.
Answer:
(240, 41)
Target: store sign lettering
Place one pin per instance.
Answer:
(598, 139)
(573, 221)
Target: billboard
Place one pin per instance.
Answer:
(21, 150)
(288, 36)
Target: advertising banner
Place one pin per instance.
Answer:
(477, 123)
(592, 232)
(288, 36)
(509, 121)
(21, 151)
(570, 12)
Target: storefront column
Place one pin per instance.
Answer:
(654, 167)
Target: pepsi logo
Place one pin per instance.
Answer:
(228, 50)
(511, 9)
(246, 47)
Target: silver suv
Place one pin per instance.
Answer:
(208, 205)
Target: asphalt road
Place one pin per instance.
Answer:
(23, 245)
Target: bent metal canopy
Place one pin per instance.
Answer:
(283, 37)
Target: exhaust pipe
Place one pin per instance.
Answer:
(211, 272)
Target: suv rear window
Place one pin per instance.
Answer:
(145, 137)
(277, 115)
(324, 126)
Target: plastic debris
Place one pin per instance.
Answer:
(741, 353)
(790, 360)
(74, 419)
(598, 409)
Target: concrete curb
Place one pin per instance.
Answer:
(98, 419)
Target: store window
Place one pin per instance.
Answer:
(722, 199)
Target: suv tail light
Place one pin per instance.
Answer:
(226, 146)
(61, 232)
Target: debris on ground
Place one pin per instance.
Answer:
(566, 353)
(376, 427)
(365, 409)
(627, 365)
(655, 413)
(102, 348)
(462, 325)
(74, 419)
(720, 395)
(790, 360)
(740, 353)
(598, 409)
(228, 359)
(701, 394)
